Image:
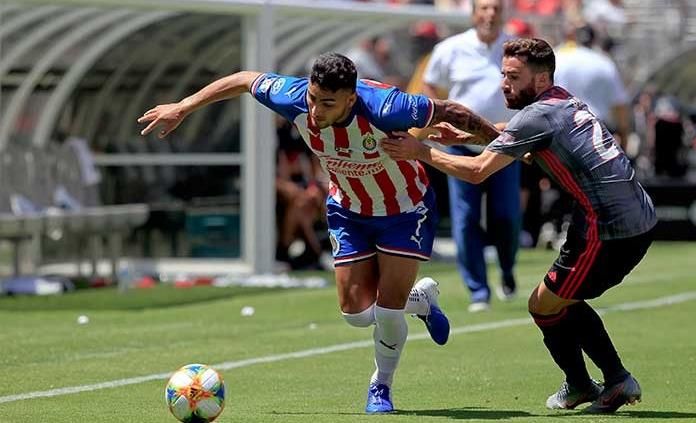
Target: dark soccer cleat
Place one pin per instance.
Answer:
(614, 396)
(378, 399)
(435, 321)
(568, 397)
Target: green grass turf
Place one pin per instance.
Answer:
(501, 374)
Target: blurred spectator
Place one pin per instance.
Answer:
(453, 4)
(669, 135)
(425, 35)
(364, 57)
(520, 28)
(373, 60)
(644, 127)
(538, 7)
(607, 15)
(468, 66)
(594, 78)
(301, 192)
(572, 12)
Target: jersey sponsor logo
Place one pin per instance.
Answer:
(265, 85)
(277, 86)
(352, 169)
(369, 142)
(413, 105)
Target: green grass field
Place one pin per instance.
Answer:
(483, 374)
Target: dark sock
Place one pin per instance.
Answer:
(596, 343)
(562, 342)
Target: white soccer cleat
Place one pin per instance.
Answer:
(435, 321)
(430, 287)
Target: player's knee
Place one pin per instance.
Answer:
(361, 319)
(535, 305)
(541, 304)
(532, 302)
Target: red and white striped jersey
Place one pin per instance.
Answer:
(363, 179)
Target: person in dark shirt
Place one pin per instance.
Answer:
(612, 219)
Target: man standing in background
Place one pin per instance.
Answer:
(467, 66)
(593, 78)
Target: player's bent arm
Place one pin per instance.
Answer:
(474, 169)
(465, 119)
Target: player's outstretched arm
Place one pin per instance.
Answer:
(480, 130)
(403, 146)
(171, 115)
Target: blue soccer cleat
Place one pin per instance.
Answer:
(378, 399)
(435, 321)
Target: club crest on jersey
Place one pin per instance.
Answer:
(369, 142)
(335, 247)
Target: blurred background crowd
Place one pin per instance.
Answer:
(607, 52)
(78, 143)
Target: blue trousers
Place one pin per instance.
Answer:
(503, 224)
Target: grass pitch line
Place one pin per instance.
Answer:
(481, 327)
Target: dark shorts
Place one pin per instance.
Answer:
(586, 269)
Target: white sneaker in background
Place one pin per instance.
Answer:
(478, 306)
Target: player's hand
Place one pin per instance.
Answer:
(449, 135)
(169, 116)
(403, 146)
(528, 158)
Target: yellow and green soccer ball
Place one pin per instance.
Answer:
(195, 394)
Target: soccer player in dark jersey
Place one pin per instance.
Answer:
(612, 220)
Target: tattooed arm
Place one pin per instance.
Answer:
(463, 118)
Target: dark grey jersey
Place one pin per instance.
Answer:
(578, 152)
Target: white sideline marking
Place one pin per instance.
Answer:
(480, 327)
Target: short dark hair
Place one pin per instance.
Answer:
(536, 52)
(333, 72)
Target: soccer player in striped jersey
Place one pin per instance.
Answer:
(381, 212)
(612, 221)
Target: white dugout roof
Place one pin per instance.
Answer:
(53, 52)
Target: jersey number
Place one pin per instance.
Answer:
(606, 150)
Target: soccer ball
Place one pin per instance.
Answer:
(195, 394)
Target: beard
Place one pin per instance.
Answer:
(524, 99)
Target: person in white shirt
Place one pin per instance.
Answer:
(467, 66)
(593, 78)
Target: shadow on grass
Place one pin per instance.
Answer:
(470, 413)
(624, 414)
(647, 414)
(467, 413)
